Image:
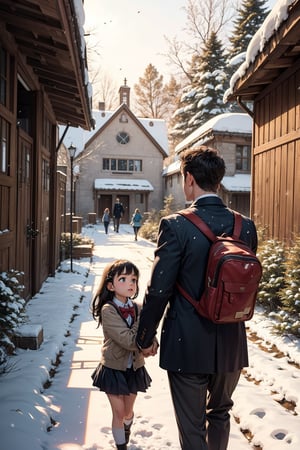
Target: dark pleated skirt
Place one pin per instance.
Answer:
(118, 382)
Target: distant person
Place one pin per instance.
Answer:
(121, 372)
(136, 222)
(118, 212)
(106, 219)
(203, 359)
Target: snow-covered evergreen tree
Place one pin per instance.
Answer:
(203, 97)
(250, 17)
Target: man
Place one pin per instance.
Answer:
(203, 359)
(118, 212)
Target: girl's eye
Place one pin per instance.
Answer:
(122, 279)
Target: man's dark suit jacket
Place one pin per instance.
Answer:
(190, 343)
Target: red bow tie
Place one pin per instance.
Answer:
(125, 312)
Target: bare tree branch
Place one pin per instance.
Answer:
(203, 17)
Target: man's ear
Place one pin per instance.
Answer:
(189, 179)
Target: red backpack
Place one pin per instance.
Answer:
(232, 276)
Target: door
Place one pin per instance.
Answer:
(25, 227)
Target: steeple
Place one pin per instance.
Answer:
(124, 92)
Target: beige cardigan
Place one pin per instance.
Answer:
(119, 340)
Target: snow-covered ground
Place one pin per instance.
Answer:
(47, 406)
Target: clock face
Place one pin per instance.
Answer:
(122, 137)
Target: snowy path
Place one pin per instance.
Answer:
(269, 382)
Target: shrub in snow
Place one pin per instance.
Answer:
(279, 291)
(272, 256)
(290, 294)
(150, 226)
(11, 311)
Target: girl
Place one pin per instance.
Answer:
(136, 222)
(106, 219)
(121, 372)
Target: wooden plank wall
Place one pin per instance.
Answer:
(276, 160)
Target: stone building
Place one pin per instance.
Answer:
(122, 158)
(231, 134)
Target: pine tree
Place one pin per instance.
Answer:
(11, 311)
(172, 92)
(203, 98)
(186, 107)
(150, 94)
(250, 17)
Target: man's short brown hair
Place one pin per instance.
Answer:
(206, 165)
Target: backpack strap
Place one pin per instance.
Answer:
(237, 225)
(199, 223)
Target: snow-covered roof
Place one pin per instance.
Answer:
(121, 184)
(236, 123)
(240, 182)
(157, 128)
(174, 167)
(271, 24)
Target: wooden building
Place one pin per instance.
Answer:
(43, 83)
(267, 85)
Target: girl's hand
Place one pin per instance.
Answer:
(150, 351)
(155, 346)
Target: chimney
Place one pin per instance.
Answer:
(101, 106)
(124, 92)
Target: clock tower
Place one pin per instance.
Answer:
(124, 92)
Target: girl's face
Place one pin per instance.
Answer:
(124, 286)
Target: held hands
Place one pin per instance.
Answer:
(150, 351)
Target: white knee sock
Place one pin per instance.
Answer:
(128, 421)
(119, 435)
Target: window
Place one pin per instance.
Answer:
(47, 129)
(243, 158)
(3, 76)
(122, 165)
(137, 165)
(123, 138)
(46, 175)
(24, 165)
(123, 118)
(25, 107)
(4, 146)
(105, 164)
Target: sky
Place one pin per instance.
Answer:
(78, 416)
(130, 35)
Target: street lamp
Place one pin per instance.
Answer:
(72, 151)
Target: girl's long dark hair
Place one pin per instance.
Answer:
(103, 294)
